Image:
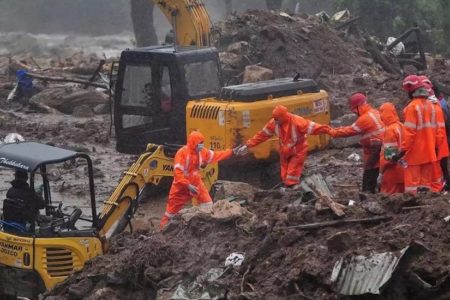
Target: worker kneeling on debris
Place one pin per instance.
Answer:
(293, 147)
(187, 182)
(391, 175)
(371, 129)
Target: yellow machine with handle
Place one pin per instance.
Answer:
(162, 93)
(190, 21)
(35, 256)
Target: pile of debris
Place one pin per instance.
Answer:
(52, 84)
(276, 246)
(260, 45)
(287, 45)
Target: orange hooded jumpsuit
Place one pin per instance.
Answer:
(371, 129)
(438, 182)
(393, 174)
(291, 131)
(421, 140)
(187, 164)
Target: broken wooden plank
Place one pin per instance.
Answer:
(319, 225)
(337, 208)
(320, 188)
(66, 79)
(96, 72)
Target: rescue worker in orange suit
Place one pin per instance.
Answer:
(391, 173)
(371, 129)
(187, 182)
(421, 138)
(438, 183)
(291, 131)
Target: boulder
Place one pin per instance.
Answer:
(256, 73)
(66, 98)
(240, 190)
(83, 111)
(230, 59)
(340, 241)
(238, 48)
(102, 109)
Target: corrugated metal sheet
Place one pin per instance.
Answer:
(359, 275)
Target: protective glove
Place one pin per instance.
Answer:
(193, 189)
(379, 179)
(236, 150)
(243, 150)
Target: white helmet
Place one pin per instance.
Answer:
(13, 138)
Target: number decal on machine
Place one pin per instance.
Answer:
(319, 106)
(215, 146)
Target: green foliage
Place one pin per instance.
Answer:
(384, 18)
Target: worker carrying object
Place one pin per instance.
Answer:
(443, 150)
(391, 173)
(291, 131)
(371, 129)
(421, 138)
(187, 182)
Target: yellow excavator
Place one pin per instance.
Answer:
(38, 252)
(162, 93)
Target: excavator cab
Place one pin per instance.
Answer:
(153, 87)
(36, 255)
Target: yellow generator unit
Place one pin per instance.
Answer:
(243, 110)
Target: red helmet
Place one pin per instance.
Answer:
(356, 100)
(428, 85)
(412, 83)
(426, 80)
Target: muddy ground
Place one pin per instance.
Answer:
(281, 262)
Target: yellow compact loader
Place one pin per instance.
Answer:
(35, 255)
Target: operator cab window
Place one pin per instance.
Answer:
(202, 78)
(166, 91)
(137, 92)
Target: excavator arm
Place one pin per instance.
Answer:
(189, 19)
(150, 168)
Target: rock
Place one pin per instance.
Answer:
(271, 32)
(374, 207)
(256, 73)
(224, 189)
(105, 293)
(231, 59)
(66, 98)
(340, 241)
(82, 288)
(359, 80)
(83, 111)
(290, 237)
(101, 109)
(238, 48)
